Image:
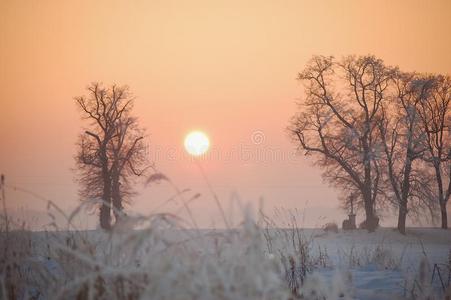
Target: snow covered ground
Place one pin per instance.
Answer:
(247, 263)
(384, 263)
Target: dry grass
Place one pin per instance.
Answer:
(161, 256)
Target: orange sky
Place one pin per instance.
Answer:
(226, 67)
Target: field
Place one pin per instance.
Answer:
(165, 260)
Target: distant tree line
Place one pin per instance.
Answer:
(111, 151)
(381, 135)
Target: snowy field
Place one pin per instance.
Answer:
(383, 264)
(165, 261)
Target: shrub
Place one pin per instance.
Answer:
(330, 227)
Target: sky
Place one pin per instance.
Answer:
(227, 68)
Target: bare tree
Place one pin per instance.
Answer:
(107, 151)
(402, 138)
(435, 112)
(129, 160)
(338, 123)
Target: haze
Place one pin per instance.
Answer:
(227, 68)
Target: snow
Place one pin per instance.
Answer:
(398, 258)
(353, 265)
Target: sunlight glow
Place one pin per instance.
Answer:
(197, 143)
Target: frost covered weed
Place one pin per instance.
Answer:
(160, 257)
(323, 260)
(419, 287)
(293, 248)
(424, 286)
(161, 260)
(16, 249)
(164, 260)
(384, 257)
(378, 255)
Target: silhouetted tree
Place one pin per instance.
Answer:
(403, 143)
(129, 160)
(338, 123)
(111, 151)
(435, 112)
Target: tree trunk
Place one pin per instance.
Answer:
(105, 208)
(371, 222)
(402, 217)
(105, 217)
(444, 215)
(405, 189)
(441, 195)
(117, 199)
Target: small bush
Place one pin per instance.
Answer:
(331, 227)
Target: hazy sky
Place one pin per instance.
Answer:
(225, 67)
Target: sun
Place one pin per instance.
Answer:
(197, 143)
